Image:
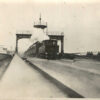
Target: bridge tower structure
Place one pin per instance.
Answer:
(20, 36)
(58, 36)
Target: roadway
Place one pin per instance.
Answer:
(37, 78)
(81, 75)
(22, 81)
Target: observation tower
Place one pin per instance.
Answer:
(40, 24)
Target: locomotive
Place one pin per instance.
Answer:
(47, 49)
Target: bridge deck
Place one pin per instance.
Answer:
(22, 81)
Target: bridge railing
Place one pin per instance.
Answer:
(24, 32)
(55, 33)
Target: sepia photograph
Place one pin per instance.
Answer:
(49, 49)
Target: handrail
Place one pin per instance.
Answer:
(55, 33)
(38, 23)
(24, 32)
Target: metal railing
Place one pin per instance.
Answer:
(24, 32)
(40, 23)
(55, 33)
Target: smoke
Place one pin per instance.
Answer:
(39, 35)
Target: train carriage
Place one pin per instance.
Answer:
(46, 49)
(49, 49)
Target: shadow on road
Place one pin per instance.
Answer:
(66, 90)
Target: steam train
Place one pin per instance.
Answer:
(47, 49)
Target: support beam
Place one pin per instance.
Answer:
(16, 45)
(62, 45)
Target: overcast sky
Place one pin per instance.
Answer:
(78, 19)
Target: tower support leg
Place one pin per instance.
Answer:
(16, 45)
(62, 46)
